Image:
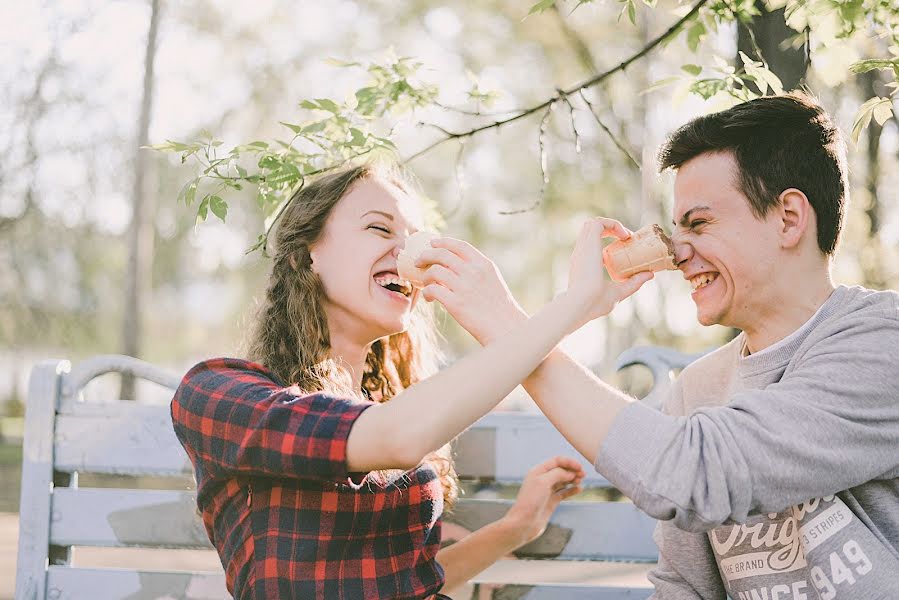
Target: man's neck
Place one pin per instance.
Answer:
(786, 314)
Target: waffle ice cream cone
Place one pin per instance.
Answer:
(416, 243)
(648, 249)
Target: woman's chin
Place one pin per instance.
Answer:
(394, 326)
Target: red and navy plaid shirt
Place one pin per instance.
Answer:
(287, 519)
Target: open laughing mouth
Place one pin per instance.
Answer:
(394, 284)
(702, 281)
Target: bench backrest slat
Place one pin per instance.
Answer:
(125, 517)
(582, 530)
(72, 583)
(503, 446)
(68, 583)
(112, 517)
(133, 439)
(128, 438)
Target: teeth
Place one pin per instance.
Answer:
(703, 280)
(403, 284)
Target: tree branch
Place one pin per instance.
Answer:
(564, 93)
(602, 125)
(544, 173)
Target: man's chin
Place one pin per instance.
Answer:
(707, 318)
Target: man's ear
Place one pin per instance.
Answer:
(796, 215)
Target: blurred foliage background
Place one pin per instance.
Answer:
(101, 252)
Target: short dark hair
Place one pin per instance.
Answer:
(778, 142)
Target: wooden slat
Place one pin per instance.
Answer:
(157, 518)
(131, 439)
(617, 531)
(87, 370)
(566, 592)
(68, 583)
(503, 446)
(117, 517)
(124, 437)
(37, 477)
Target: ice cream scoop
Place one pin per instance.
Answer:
(648, 249)
(416, 243)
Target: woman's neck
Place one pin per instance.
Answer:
(351, 356)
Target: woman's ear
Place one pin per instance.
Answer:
(311, 253)
(796, 215)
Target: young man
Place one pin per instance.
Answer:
(775, 472)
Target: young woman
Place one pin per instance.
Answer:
(322, 466)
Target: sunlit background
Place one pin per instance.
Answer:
(70, 100)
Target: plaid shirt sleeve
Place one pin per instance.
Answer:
(233, 418)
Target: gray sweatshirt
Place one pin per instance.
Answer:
(776, 477)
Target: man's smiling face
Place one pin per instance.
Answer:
(727, 253)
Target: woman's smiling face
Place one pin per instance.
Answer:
(727, 253)
(356, 260)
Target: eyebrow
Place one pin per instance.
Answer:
(380, 212)
(686, 218)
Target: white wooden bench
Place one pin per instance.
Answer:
(66, 436)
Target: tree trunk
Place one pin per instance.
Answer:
(871, 86)
(141, 231)
(767, 35)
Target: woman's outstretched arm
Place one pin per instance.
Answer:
(399, 433)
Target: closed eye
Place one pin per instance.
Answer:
(379, 228)
(697, 223)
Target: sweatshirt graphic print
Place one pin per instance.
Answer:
(815, 550)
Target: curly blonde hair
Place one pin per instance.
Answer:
(290, 336)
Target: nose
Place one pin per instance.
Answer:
(683, 250)
(397, 248)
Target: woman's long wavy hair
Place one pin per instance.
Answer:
(290, 336)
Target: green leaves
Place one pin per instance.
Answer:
(630, 8)
(759, 73)
(219, 207)
(188, 192)
(337, 133)
(480, 96)
(695, 34)
(541, 6)
(880, 109)
(321, 104)
(693, 70)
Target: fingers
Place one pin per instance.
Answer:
(569, 492)
(565, 462)
(440, 256)
(435, 291)
(458, 247)
(611, 228)
(440, 275)
(560, 478)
